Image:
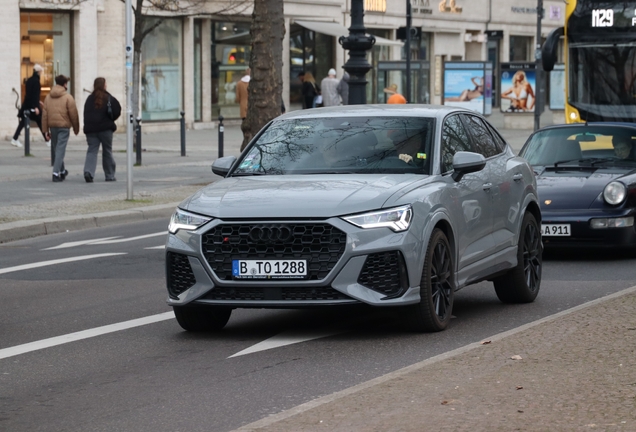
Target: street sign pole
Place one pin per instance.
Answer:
(408, 51)
(129, 113)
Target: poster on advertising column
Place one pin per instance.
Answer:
(467, 85)
(518, 85)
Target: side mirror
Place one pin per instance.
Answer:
(222, 166)
(467, 162)
(550, 48)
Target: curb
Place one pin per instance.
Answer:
(21, 230)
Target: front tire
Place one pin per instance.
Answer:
(522, 283)
(437, 288)
(202, 319)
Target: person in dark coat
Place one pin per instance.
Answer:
(32, 104)
(100, 112)
(309, 90)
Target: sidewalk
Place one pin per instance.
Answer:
(575, 371)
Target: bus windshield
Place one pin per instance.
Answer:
(603, 81)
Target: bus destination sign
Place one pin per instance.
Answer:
(613, 18)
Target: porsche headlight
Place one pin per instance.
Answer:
(182, 219)
(614, 193)
(398, 219)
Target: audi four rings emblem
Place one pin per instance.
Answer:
(267, 233)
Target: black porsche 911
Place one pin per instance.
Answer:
(586, 180)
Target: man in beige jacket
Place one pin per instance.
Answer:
(59, 114)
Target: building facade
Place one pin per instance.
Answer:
(192, 63)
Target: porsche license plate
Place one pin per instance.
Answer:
(556, 230)
(269, 269)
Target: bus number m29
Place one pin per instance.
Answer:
(602, 18)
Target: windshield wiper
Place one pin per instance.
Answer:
(247, 174)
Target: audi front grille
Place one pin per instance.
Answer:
(320, 244)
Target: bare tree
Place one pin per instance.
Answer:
(266, 64)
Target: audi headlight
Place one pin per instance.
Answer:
(614, 193)
(182, 219)
(398, 219)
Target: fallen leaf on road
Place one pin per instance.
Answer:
(486, 342)
(444, 402)
(519, 411)
(519, 387)
(516, 357)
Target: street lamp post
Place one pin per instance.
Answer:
(538, 104)
(129, 113)
(408, 50)
(358, 43)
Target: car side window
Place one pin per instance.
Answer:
(499, 141)
(482, 138)
(454, 139)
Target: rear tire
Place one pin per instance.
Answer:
(201, 319)
(437, 288)
(522, 283)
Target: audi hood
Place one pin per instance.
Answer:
(299, 196)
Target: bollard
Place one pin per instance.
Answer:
(183, 151)
(27, 133)
(138, 141)
(221, 130)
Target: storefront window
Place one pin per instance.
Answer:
(45, 39)
(231, 48)
(161, 72)
(308, 52)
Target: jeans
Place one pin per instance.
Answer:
(59, 139)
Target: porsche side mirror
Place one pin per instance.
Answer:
(222, 166)
(467, 162)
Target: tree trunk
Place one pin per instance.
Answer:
(266, 64)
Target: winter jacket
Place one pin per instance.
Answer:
(241, 95)
(343, 89)
(60, 110)
(31, 94)
(96, 119)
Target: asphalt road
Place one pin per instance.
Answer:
(150, 375)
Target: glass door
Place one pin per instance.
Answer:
(45, 39)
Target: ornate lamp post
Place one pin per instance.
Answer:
(358, 43)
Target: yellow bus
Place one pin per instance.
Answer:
(600, 60)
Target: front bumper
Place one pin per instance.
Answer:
(350, 265)
(583, 235)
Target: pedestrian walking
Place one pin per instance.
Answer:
(100, 112)
(59, 115)
(32, 104)
(242, 95)
(310, 90)
(329, 89)
(343, 89)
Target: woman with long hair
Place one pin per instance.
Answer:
(100, 112)
(309, 90)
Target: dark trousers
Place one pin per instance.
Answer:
(105, 138)
(21, 124)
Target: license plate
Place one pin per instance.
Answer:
(269, 269)
(556, 230)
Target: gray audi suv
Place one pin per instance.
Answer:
(383, 205)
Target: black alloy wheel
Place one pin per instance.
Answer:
(522, 283)
(437, 288)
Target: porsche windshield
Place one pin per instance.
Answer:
(342, 145)
(583, 145)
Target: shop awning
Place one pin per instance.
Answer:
(337, 30)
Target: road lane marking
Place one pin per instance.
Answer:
(286, 338)
(78, 243)
(157, 247)
(57, 261)
(102, 242)
(105, 240)
(84, 334)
